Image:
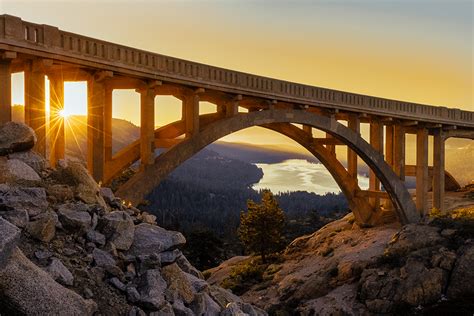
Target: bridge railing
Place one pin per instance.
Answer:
(49, 38)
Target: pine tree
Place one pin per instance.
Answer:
(261, 227)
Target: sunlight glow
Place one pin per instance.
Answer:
(63, 113)
(75, 98)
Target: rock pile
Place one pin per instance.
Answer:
(344, 270)
(69, 247)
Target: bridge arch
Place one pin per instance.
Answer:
(141, 183)
(363, 211)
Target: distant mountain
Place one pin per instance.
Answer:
(459, 162)
(123, 132)
(257, 153)
(212, 171)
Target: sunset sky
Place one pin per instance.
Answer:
(420, 51)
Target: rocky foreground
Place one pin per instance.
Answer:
(342, 269)
(69, 247)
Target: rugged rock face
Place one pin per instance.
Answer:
(462, 274)
(28, 290)
(69, 247)
(345, 270)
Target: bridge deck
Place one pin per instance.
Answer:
(39, 40)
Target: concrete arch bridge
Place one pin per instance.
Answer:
(41, 50)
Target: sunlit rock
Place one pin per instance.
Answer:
(179, 287)
(186, 266)
(75, 217)
(33, 291)
(16, 137)
(103, 258)
(204, 305)
(152, 288)
(119, 229)
(59, 272)
(32, 200)
(95, 237)
(150, 239)
(9, 237)
(461, 278)
(32, 159)
(43, 226)
(74, 174)
(14, 171)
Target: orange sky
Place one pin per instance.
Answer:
(420, 51)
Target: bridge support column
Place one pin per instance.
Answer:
(399, 151)
(97, 99)
(354, 124)
(191, 114)
(376, 140)
(331, 148)
(56, 121)
(147, 126)
(438, 170)
(389, 141)
(389, 155)
(308, 129)
(5, 91)
(422, 170)
(108, 123)
(231, 108)
(35, 108)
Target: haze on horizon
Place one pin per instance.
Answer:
(419, 51)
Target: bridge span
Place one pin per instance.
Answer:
(41, 50)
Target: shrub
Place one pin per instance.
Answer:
(244, 275)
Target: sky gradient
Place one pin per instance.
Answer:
(419, 51)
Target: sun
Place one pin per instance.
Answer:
(62, 113)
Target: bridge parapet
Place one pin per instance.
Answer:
(45, 40)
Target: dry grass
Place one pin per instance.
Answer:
(462, 213)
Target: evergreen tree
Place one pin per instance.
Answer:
(204, 249)
(261, 227)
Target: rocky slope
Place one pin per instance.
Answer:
(342, 269)
(68, 247)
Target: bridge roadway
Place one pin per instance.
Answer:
(39, 50)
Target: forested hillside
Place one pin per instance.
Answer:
(203, 199)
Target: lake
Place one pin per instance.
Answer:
(299, 175)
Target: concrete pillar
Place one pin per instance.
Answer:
(147, 126)
(331, 148)
(231, 108)
(56, 121)
(422, 170)
(191, 114)
(353, 123)
(389, 134)
(438, 170)
(389, 156)
(5, 91)
(376, 140)
(108, 124)
(399, 151)
(308, 129)
(35, 107)
(221, 109)
(96, 103)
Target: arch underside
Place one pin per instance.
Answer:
(363, 211)
(279, 120)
